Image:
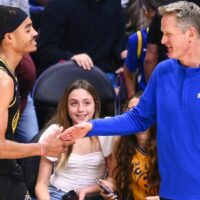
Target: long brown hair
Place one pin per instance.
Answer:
(153, 176)
(135, 12)
(62, 117)
(125, 150)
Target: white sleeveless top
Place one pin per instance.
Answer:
(80, 171)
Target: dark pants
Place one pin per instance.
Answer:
(12, 188)
(71, 195)
(97, 197)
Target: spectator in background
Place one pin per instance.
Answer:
(171, 100)
(135, 168)
(137, 18)
(156, 52)
(133, 66)
(23, 4)
(81, 163)
(36, 8)
(38, 2)
(88, 32)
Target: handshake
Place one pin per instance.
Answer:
(55, 140)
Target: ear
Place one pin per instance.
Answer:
(192, 33)
(8, 37)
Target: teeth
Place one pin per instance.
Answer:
(81, 116)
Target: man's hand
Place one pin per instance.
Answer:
(83, 60)
(152, 198)
(51, 144)
(76, 131)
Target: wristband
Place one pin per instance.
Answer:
(42, 149)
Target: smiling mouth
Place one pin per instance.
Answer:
(169, 48)
(81, 116)
(34, 42)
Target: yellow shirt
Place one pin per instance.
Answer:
(139, 184)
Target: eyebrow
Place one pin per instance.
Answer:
(28, 25)
(82, 99)
(87, 99)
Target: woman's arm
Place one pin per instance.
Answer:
(87, 190)
(109, 182)
(95, 188)
(41, 188)
(130, 80)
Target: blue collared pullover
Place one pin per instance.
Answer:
(172, 100)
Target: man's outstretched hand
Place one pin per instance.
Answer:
(51, 144)
(76, 131)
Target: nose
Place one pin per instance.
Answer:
(80, 107)
(34, 32)
(164, 39)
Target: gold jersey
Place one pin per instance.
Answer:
(139, 185)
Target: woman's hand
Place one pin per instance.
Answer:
(81, 193)
(110, 196)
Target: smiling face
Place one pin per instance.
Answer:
(174, 38)
(81, 106)
(24, 37)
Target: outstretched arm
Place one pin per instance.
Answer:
(124, 124)
(137, 119)
(52, 145)
(152, 198)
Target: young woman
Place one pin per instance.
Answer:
(81, 162)
(135, 174)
